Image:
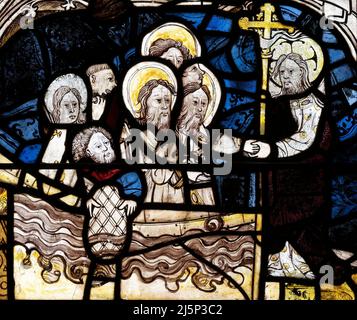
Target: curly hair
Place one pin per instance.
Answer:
(145, 93)
(81, 141)
(159, 46)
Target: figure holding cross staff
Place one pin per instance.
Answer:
(265, 23)
(292, 125)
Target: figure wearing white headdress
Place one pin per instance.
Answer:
(65, 103)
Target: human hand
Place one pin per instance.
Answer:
(91, 204)
(251, 147)
(263, 149)
(129, 205)
(201, 138)
(226, 144)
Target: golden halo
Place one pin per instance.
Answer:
(212, 83)
(138, 76)
(175, 31)
(303, 45)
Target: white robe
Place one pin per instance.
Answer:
(307, 113)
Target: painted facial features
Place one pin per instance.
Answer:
(193, 74)
(291, 77)
(159, 107)
(99, 149)
(69, 108)
(103, 82)
(173, 55)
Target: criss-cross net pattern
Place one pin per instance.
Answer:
(108, 222)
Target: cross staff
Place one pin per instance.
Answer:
(264, 24)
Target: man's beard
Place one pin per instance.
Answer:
(107, 157)
(162, 122)
(189, 123)
(299, 88)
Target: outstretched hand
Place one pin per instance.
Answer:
(251, 147)
(257, 149)
(226, 144)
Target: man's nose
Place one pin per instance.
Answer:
(176, 63)
(200, 107)
(71, 109)
(165, 105)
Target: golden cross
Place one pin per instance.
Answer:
(264, 23)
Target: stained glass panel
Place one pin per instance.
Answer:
(178, 150)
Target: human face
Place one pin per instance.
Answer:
(69, 108)
(193, 112)
(290, 77)
(99, 149)
(174, 55)
(159, 107)
(103, 82)
(198, 104)
(193, 74)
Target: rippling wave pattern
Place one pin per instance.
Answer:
(170, 263)
(57, 236)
